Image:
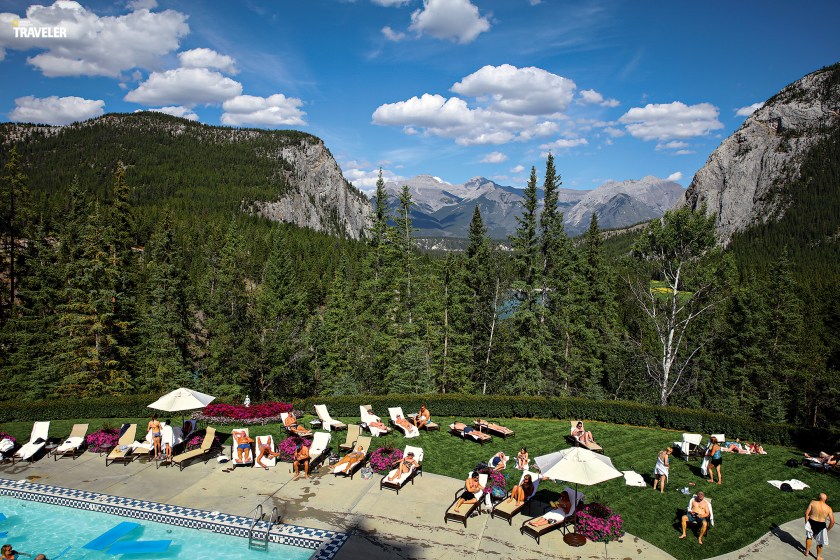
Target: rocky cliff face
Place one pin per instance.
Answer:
(744, 179)
(319, 197)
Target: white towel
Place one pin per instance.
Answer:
(821, 539)
(794, 484)
(633, 478)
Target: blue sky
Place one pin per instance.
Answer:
(454, 88)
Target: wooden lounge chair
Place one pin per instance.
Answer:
(492, 428)
(367, 416)
(326, 420)
(466, 509)
(350, 469)
(353, 433)
(319, 449)
(37, 440)
(233, 452)
(397, 412)
(73, 444)
(556, 518)
(206, 451)
(575, 442)
(123, 452)
(462, 430)
(509, 509)
(404, 478)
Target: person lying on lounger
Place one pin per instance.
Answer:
(487, 425)
(265, 451)
(404, 466)
(243, 446)
(350, 459)
(522, 491)
(463, 428)
(294, 427)
(472, 487)
(582, 435)
(404, 424)
(379, 426)
(562, 506)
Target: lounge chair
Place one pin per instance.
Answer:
(721, 438)
(462, 430)
(575, 442)
(353, 433)
(269, 441)
(509, 509)
(556, 518)
(124, 451)
(403, 479)
(466, 509)
(37, 440)
(144, 449)
(492, 428)
(73, 444)
(204, 452)
(349, 469)
(690, 446)
(233, 453)
(283, 416)
(367, 416)
(411, 431)
(319, 449)
(326, 420)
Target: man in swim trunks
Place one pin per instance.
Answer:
(294, 427)
(471, 488)
(698, 512)
(819, 519)
(405, 465)
(301, 458)
(265, 451)
(243, 446)
(422, 417)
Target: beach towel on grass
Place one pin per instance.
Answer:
(794, 484)
(632, 478)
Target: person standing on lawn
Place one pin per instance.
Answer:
(716, 460)
(662, 468)
(819, 519)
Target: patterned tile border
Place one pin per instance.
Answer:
(326, 544)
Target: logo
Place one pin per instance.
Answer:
(30, 32)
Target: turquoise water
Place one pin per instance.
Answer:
(35, 528)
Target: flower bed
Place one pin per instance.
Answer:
(495, 479)
(598, 523)
(382, 460)
(10, 437)
(258, 414)
(287, 447)
(102, 439)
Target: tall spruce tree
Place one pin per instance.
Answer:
(15, 218)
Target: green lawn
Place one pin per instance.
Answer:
(745, 506)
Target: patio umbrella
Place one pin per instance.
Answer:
(182, 399)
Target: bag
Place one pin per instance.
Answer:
(367, 473)
(785, 487)
(792, 463)
(498, 492)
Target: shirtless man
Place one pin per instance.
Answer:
(350, 459)
(698, 512)
(821, 519)
(301, 458)
(422, 417)
(405, 465)
(243, 446)
(292, 425)
(472, 487)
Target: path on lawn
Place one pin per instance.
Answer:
(381, 524)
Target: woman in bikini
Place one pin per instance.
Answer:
(522, 491)
(265, 451)
(562, 506)
(405, 465)
(522, 459)
(156, 428)
(350, 459)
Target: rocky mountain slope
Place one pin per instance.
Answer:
(442, 209)
(745, 179)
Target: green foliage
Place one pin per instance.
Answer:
(133, 406)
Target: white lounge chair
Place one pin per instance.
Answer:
(233, 450)
(404, 478)
(37, 441)
(327, 420)
(73, 444)
(269, 441)
(367, 416)
(689, 446)
(349, 469)
(319, 448)
(305, 432)
(411, 432)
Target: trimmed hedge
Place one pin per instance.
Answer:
(134, 406)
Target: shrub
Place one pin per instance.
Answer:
(133, 406)
(223, 413)
(288, 446)
(598, 523)
(102, 439)
(382, 460)
(10, 437)
(195, 441)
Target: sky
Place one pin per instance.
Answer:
(614, 89)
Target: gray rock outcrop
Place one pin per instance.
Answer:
(744, 179)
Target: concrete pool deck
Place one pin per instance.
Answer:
(381, 524)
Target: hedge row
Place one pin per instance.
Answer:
(470, 406)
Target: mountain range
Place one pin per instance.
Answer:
(443, 209)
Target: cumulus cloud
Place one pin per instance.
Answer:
(676, 176)
(592, 97)
(494, 157)
(142, 5)
(455, 20)
(520, 91)
(749, 109)
(564, 143)
(177, 111)
(672, 145)
(275, 110)
(390, 3)
(670, 121)
(613, 132)
(185, 86)
(392, 35)
(364, 178)
(95, 46)
(208, 58)
(55, 110)
(518, 169)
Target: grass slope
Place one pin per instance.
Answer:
(745, 506)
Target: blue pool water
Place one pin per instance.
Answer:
(35, 528)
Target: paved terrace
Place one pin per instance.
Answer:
(381, 524)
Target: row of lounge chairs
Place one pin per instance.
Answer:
(480, 431)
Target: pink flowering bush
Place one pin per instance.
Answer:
(495, 479)
(262, 414)
(102, 439)
(10, 437)
(382, 460)
(287, 447)
(195, 441)
(598, 523)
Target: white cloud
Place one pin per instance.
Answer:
(390, 3)
(142, 5)
(55, 110)
(564, 143)
(684, 152)
(95, 46)
(592, 97)
(518, 169)
(275, 110)
(208, 58)
(534, 2)
(749, 109)
(670, 121)
(676, 176)
(494, 157)
(176, 111)
(392, 35)
(365, 179)
(521, 91)
(613, 132)
(456, 20)
(185, 86)
(672, 145)
(430, 111)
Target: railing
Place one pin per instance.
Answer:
(252, 543)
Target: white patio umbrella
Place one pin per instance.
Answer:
(182, 399)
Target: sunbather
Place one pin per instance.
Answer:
(404, 466)
(350, 459)
(562, 506)
(293, 426)
(156, 429)
(265, 451)
(403, 423)
(472, 487)
(301, 458)
(734, 447)
(243, 446)
(423, 417)
(472, 432)
(522, 459)
(498, 462)
(378, 425)
(755, 447)
(698, 512)
(487, 425)
(582, 435)
(521, 492)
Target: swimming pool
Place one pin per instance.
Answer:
(57, 531)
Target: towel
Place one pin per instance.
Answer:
(821, 539)
(704, 468)
(633, 478)
(6, 445)
(794, 484)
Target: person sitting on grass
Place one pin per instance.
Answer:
(498, 462)
(243, 446)
(755, 447)
(350, 459)
(404, 466)
(522, 459)
(562, 507)
(301, 458)
(293, 426)
(698, 512)
(522, 492)
(471, 488)
(580, 434)
(423, 417)
(265, 451)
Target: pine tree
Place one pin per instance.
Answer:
(15, 217)
(337, 374)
